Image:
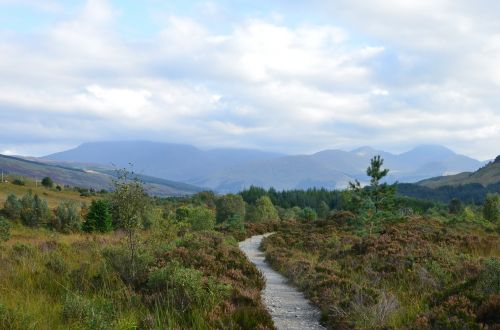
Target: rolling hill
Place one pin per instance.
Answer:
(231, 170)
(485, 176)
(65, 175)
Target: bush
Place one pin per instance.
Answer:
(263, 210)
(308, 214)
(86, 313)
(118, 257)
(491, 208)
(34, 210)
(201, 218)
(12, 207)
(4, 229)
(229, 205)
(47, 182)
(98, 217)
(18, 182)
(67, 217)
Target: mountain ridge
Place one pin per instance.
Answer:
(230, 170)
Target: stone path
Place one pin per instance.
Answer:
(288, 307)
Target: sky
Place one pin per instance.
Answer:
(290, 76)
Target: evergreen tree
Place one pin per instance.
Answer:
(323, 210)
(47, 182)
(12, 207)
(67, 217)
(98, 217)
(491, 208)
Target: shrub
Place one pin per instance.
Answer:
(12, 207)
(34, 210)
(201, 218)
(98, 217)
(229, 205)
(263, 210)
(491, 208)
(86, 313)
(67, 217)
(4, 229)
(308, 214)
(118, 257)
(18, 182)
(47, 182)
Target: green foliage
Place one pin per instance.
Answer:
(47, 182)
(4, 229)
(34, 210)
(308, 214)
(201, 218)
(228, 206)
(491, 208)
(252, 194)
(455, 206)
(236, 223)
(98, 217)
(68, 217)
(323, 210)
(375, 170)
(12, 207)
(18, 182)
(263, 210)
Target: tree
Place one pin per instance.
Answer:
(323, 210)
(382, 195)
(455, 206)
(263, 210)
(67, 217)
(47, 182)
(491, 208)
(229, 205)
(201, 218)
(4, 229)
(12, 207)
(98, 217)
(308, 214)
(34, 210)
(129, 200)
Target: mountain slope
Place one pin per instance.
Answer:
(64, 175)
(487, 175)
(164, 160)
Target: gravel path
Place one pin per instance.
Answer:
(287, 306)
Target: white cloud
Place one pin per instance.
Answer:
(413, 71)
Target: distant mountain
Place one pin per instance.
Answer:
(66, 175)
(485, 176)
(229, 170)
(164, 160)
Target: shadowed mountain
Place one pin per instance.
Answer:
(66, 175)
(229, 170)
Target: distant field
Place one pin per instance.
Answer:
(52, 196)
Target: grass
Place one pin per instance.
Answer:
(52, 196)
(196, 280)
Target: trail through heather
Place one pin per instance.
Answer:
(287, 306)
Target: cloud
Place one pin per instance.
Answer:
(393, 76)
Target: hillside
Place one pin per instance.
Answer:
(65, 175)
(230, 170)
(485, 176)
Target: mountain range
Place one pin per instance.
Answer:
(231, 170)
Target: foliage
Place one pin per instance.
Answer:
(323, 210)
(491, 208)
(47, 182)
(98, 217)
(34, 210)
(129, 201)
(4, 229)
(308, 214)
(201, 218)
(228, 206)
(12, 207)
(18, 182)
(67, 218)
(455, 206)
(263, 210)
